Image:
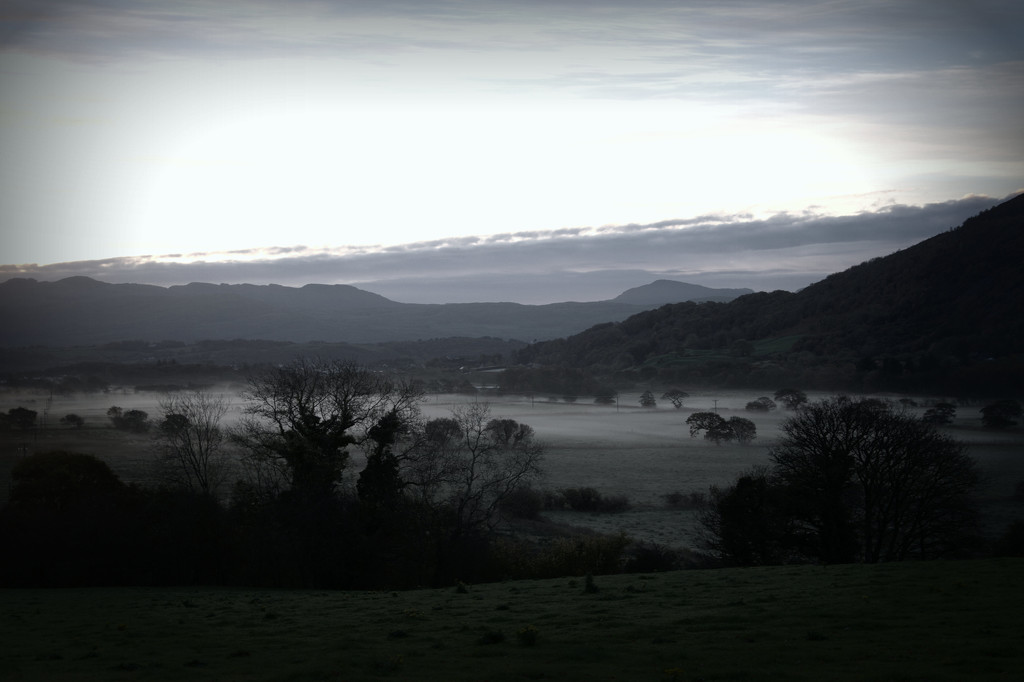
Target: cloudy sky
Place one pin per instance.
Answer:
(566, 149)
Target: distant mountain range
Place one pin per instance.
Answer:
(79, 311)
(946, 312)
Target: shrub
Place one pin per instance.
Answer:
(523, 503)
(527, 636)
(650, 557)
(1011, 542)
(692, 500)
(517, 559)
(590, 500)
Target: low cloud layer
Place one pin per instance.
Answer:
(785, 251)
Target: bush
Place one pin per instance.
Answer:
(691, 500)
(523, 503)
(590, 500)
(650, 557)
(517, 559)
(1011, 542)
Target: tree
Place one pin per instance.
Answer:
(303, 417)
(743, 430)
(380, 484)
(718, 429)
(874, 483)
(22, 418)
(676, 396)
(792, 398)
(748, 523)
(136, 421)
(715, 427)
(647, 399)
(61, 480)
(1001, 414)
(470, 464)
(940, 414)
(73, 420)
(762, 404)
(192, 442)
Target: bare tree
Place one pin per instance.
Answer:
(303, 417)
(676, 396)
(471, 463)
(192, 442)
(875, 482)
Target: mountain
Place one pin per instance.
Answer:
(948, 311)
(79, 311)
(664, 291)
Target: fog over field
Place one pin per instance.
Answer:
(625, 450)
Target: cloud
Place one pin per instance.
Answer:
(782, 251)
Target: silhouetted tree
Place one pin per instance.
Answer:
(72, 420)
(22, 418)
(940, 414)
(303, 417)
(762, 404)
(874, 483)
(750, 523)
(133, 420)
(675, 396)
(380, 484)
(743, 430)
(60, 479)
(647, 399)
(192, 442)
(470, 463)
(716, 428)
(1001, 414)
(792, 398)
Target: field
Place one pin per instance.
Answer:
(930, 621)
(642, 454)
(937, 621)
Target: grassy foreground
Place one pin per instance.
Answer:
(914, 621)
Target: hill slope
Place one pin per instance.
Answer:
(929, 312)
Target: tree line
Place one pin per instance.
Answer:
(849, 480)
(424, 509)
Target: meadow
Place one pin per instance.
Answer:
(942, 620)
(934, 621)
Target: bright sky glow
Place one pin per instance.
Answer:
(131, 129)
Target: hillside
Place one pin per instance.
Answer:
(945, 312)
(79, 311)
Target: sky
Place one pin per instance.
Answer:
(483, 150)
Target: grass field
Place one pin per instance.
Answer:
(913, 621)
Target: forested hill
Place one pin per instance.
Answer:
(947, 312)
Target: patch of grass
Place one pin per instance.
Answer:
(939, 621)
